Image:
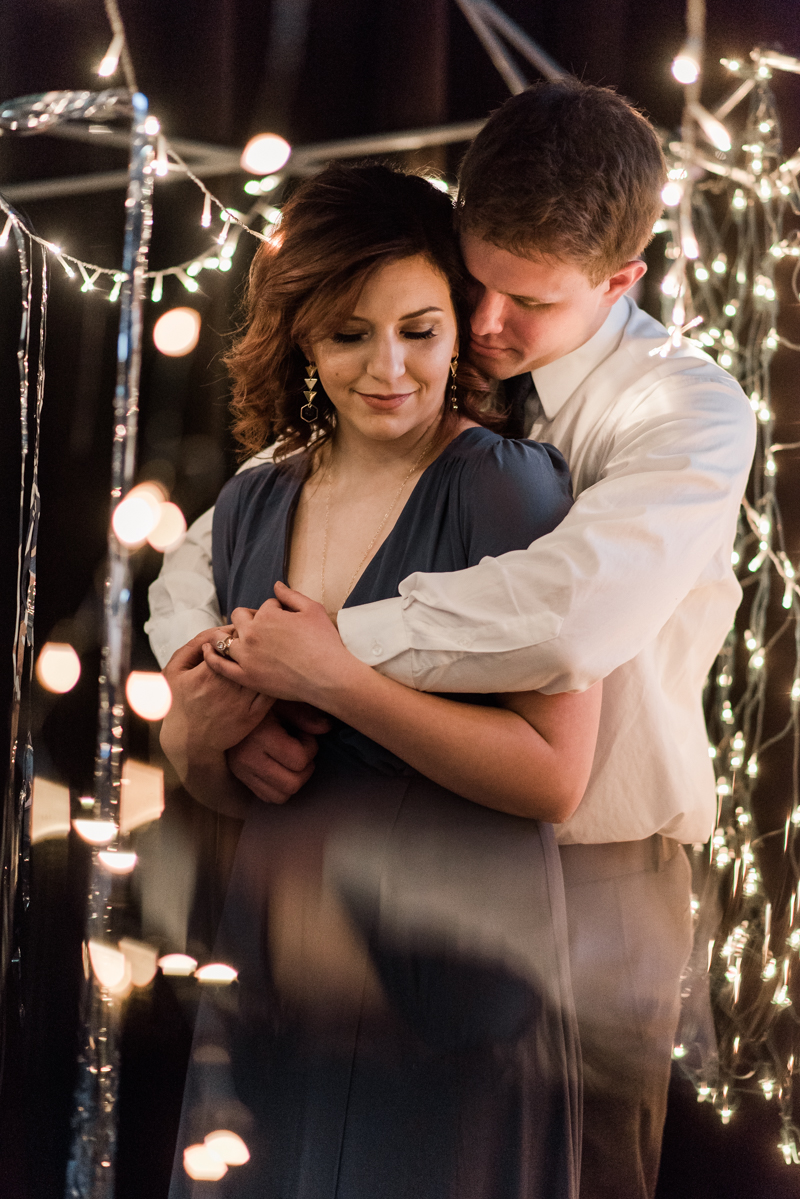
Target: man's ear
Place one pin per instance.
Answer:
(623, 280)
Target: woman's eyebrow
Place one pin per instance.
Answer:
(421, 312)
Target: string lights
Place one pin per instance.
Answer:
(724, 240)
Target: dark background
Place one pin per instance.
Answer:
(219, 71)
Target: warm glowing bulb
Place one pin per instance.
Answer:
(117, 863)
(265, 154)
(142, 961)
(202, 1164)
(176, 332)
(111, 57)
(689, 246)
(108, 963)
(685, 68)
(216, 972)
(671, 194)
(58, 668)
(179, 965)
(137, 515)
(96, 832)
(170, 530)
(228, 1147)
(148, 694)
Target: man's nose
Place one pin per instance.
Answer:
(488, 317)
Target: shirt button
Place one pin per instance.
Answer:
(377, 649)
(464, 642)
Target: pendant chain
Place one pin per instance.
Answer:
(329, 485)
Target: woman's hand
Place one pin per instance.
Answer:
(288, 648)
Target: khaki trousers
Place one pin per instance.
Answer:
(630, 935)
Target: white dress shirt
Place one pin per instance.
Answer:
(634, 587)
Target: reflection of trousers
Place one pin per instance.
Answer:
(630, 931)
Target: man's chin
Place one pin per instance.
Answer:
(497, 366)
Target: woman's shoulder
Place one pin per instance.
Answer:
(510, 491)
(486, 454)
(257, 485)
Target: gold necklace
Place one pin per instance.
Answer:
(328, 486)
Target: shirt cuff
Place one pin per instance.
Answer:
(376, 634)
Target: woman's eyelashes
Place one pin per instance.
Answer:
(348, 339)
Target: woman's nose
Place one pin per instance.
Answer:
(387, 358)
(488, 315)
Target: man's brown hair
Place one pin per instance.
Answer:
(565, 169)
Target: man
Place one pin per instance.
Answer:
(558, 195)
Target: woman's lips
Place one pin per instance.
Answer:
(385, 403)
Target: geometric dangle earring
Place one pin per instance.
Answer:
(308, 412)
(453, 396)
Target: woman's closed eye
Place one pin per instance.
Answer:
(347, 338)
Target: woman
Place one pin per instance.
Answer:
(401, 1025)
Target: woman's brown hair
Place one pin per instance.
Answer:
(335, 231)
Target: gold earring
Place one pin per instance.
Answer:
(453, 395)
(308, 412)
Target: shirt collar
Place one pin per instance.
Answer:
(558, 380)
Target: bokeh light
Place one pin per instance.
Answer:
(141, 797)
(685, 68)
(170, 530)
(116, 862)
(671, 194)
(265, 153)
(148, 694)
(176, 332)
(142, 960)
(49, 810)
(216, 972)
(202, 1164)
(138, 514)
(178, 965)
(227, 1146)
(108, 963)
(96, 832)
(58, 667)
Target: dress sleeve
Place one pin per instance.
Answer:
(223, 539)
(511, 493)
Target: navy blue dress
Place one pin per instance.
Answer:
(402, 1023)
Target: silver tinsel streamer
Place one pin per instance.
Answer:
(90, 1172)
(14, 841)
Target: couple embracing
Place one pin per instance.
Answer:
(474, 592)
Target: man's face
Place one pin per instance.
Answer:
(531, 311)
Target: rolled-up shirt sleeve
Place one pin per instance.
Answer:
(658, 521)
(183, 599)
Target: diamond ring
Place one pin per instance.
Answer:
(223, 647)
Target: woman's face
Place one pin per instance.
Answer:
(386, 369)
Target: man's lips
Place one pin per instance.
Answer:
(487, 351)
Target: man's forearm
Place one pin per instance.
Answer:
(588, 597)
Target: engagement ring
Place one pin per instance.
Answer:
(223, 647)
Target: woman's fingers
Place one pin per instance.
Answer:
(295, 601)
(226, 667)
(242, 618)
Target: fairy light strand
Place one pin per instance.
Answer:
(733, 212)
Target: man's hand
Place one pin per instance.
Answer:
(274, 762)
(209, 714)
(288, 648)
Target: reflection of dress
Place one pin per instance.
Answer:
(402, 1024)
